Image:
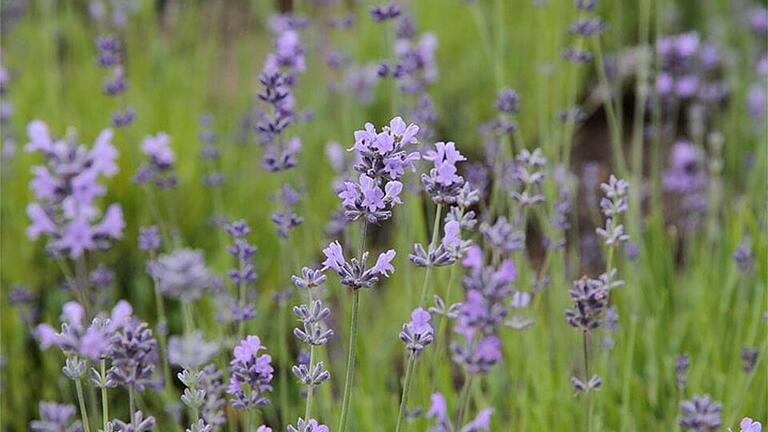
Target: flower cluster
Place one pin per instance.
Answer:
(286, 219)
(481, 313)
(613, 205)
(56, 417)
(529, 175)
(700, 414)
(66, 189)
(115, 84)
(210, 152)
(438, 411)
(313, 332)
(75, 339)
(159, 168)
(383, 156)
(309, 425)
(689, 69)
(250, 375)
(442, 182)
(354, 273)
(417, 333)
(134, 354)
(589, 298)
(181, 274)
(450, 248)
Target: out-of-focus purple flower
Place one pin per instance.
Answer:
(181, 274)
(480, 423)
(252, 372)
(756, 102)
(749, 356)
(587, 27)
(385, 12)
(439, 411)
(681, 368)
(502, 236)
(508, 101)
(159, 169)
(56, 417)
(744, 257)
(66, 188)
(149, 238)
(700, 414)
(749, 425)
(191, 351)
(416, 67)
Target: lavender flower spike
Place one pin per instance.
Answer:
(417, 333)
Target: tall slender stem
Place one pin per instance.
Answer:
(132, 405)
(464, 401)
(406, 388)
(432, 245)
(586, 381)
(189, 323)
(310, 388)
(162, 333)
(350, 361)
(104, 398)
(283, 348)
(614, 122)
(83, 409)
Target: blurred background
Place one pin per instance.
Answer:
(193, 67)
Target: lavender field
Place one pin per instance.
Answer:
(353, 216)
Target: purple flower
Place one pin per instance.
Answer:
(182, 274)
(310, 425)
(749, 425)
(481, 423)
(383, 156)
(700, 414)
(56, 417)
(367, 199)
(386, 12)
(354, 273)
(251, 374)
(191, 351)
(508, 101)
(66, 188)
(438, 409)
(149, 238)
(442, 182)
(134, 353)
(589, 298)
(417, 333)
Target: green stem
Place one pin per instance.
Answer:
(443, 320)
(464, 401)
(406, 388)
(162, 335)
(132, 406)
(308, 409)
(350, 361)
(586, 381)
(614, 123)
(284, 356)
(241, 303)
(189, 323)
(83, 409)
(432, 245)
(104, 398)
